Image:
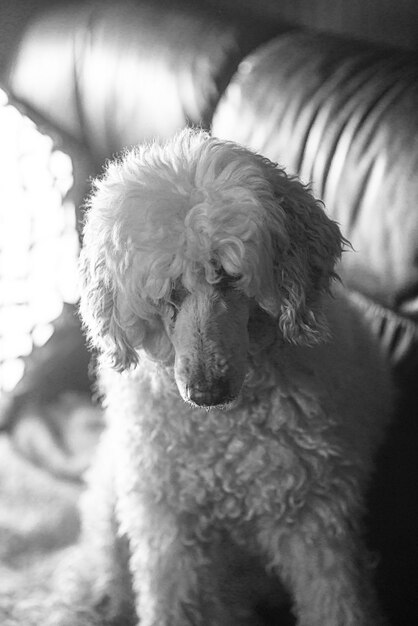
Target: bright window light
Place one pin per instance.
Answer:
(38, 239)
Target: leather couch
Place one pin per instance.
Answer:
(340, 113)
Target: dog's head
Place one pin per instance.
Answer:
(200, 252)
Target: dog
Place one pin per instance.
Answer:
(245, 398)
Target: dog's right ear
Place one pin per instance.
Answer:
(100, 310)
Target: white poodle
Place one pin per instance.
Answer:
(245, 401)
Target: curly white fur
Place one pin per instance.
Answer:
(206, 279)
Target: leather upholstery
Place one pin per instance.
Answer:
(114, 74)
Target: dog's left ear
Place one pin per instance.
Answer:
(304, 269)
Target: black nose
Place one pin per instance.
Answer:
(216, 392)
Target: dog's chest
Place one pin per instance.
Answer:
(228, 464)
(232, 476)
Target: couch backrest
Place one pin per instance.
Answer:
(114, 74)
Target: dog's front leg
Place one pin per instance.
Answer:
(325, 571)
(163, 571)
(171, 569)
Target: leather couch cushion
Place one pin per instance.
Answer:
(343, 116)
(115, 74)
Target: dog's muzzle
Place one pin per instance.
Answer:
(210, 339)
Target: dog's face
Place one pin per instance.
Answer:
(199, 253)
(206, 335)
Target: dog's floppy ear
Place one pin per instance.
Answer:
(303, 269)
(99, 307)
(111, 327)
(117, 319)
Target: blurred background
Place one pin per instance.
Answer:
(328, 88)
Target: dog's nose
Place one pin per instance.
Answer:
(215, 393)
